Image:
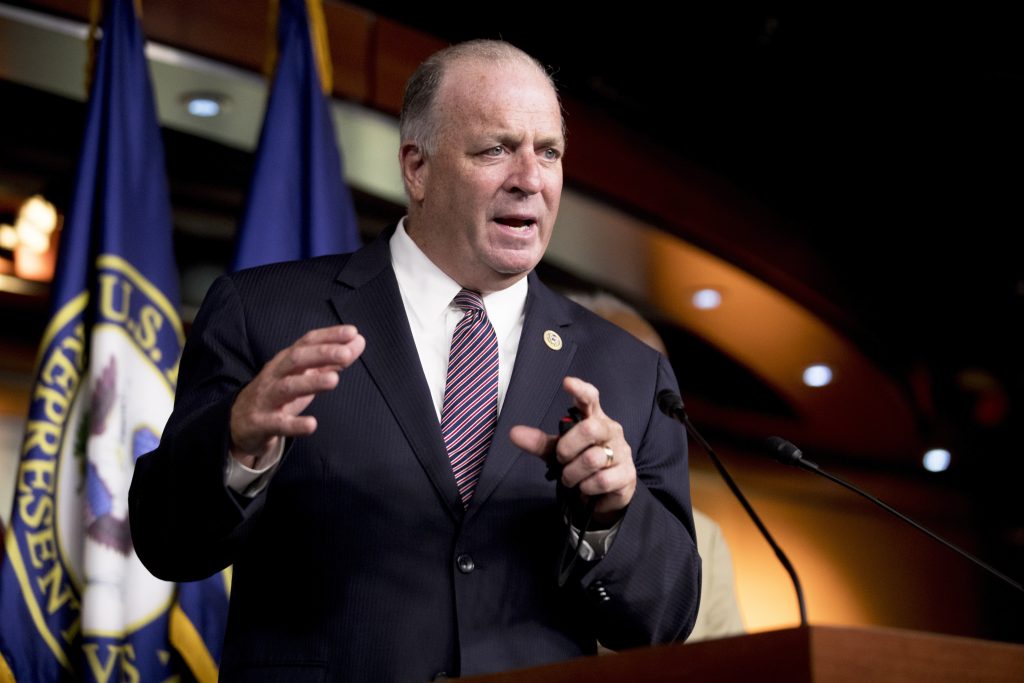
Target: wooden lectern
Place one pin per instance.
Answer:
(816, 654)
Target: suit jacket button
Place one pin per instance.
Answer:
(465, 564)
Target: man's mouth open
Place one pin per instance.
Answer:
(514, 222)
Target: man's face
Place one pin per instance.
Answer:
(484, 204)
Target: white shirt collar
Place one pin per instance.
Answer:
(429, 291)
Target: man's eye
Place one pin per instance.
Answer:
(495, 151)
(551, 154)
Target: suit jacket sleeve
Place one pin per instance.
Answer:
(185, 522)
(646, 590)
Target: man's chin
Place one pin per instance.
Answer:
(515, 262)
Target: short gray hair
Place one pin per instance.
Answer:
(417, 122)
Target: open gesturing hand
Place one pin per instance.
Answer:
(269, 407)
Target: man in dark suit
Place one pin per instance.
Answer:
(384, 522)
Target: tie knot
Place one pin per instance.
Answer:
(469, 301)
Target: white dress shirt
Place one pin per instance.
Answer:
(427, 294)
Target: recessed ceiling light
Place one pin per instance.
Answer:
(937, 460)
(817, 375)
(204, 105)
(706, 298)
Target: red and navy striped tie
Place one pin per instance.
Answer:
(470, 409)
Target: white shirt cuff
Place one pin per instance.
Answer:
(249, 481)
(596, 544)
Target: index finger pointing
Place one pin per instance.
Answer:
(584, 394)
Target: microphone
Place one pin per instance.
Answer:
(788, 454)
(671, 404)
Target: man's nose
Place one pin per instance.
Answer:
(525, 175)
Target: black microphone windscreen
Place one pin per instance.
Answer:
(670, 402)
(784, 451)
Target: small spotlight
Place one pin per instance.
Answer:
(204, 105)
(706, 299)
(817, 375)
(203, 108)
(937, 460)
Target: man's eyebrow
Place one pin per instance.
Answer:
(515, 138)
(551, 141)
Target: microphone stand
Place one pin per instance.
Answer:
(672, 405)
(787, 453)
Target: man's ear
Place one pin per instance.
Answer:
(414, 170)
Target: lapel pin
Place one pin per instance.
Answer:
(552, 339)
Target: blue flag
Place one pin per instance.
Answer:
(75, 602)
(299, 205)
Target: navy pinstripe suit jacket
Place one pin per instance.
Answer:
(358, 561)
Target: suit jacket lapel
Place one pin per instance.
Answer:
(536, 382)
(372, 302)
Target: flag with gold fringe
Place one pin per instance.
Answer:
(75, 602)
(298, 205)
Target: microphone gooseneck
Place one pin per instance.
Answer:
(786, 453)
(671, 403)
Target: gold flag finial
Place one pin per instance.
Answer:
(318, 38)
(95, 7)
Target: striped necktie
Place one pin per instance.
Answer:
(470, 409)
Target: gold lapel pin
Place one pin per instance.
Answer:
(552, 339)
